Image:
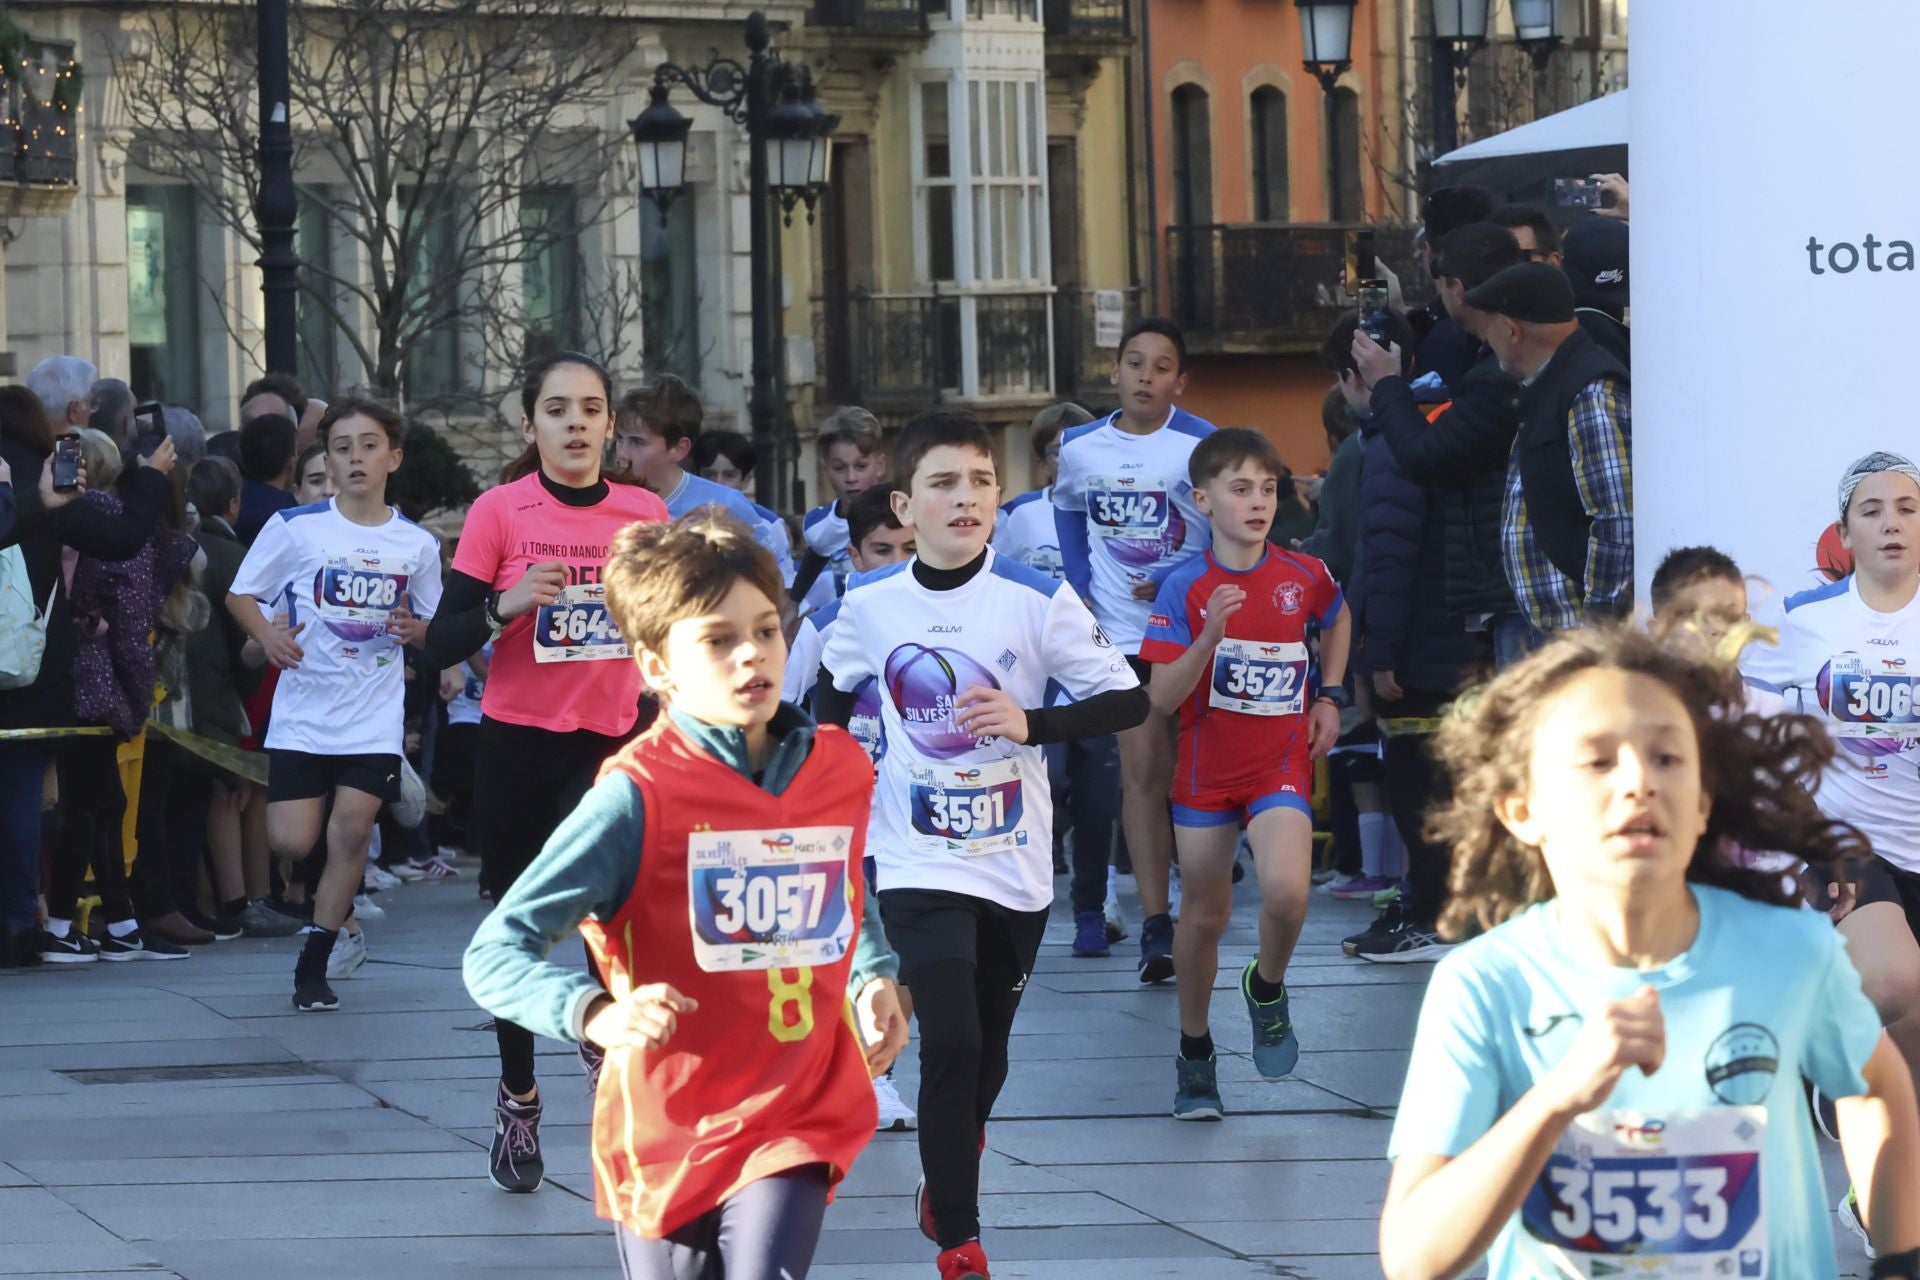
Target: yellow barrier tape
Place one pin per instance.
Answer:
(250, 766)
(70, 731)
(1408, 726)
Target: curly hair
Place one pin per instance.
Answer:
(1761, 772)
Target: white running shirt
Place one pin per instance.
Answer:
(1026, 532)
(1858, 670)
(1136, 495)
(955, 812)
(343, 581)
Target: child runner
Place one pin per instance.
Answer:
(1229, 636)
(738, 1091)
(1700, 596)
(964, 644)
(311, 483)
(562, 691)
(1126, 514)
(1608, 1080)
(360, 580)
(729, 458)
(654, 433)
(876, 539)
(849, 448)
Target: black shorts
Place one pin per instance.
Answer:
(927, 926)
(525, 780)
(301, 775)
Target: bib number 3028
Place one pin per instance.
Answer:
(360, 589)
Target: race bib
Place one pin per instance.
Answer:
(360, 589)
(769, 899)
(576, 627)
(1123, 507)
(1871, 697)
(1260, 679)
(1657, 1196)
(970, 810)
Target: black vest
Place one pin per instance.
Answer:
(1559, 519)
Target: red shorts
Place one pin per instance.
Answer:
(1289, 785)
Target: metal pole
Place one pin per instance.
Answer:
(763, 406)
(1446, 125)
(277, 206)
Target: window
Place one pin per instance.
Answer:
(1346, 197)
(936, 180)
(1003, 9)
(163, 293)
(1008, 189)
(1267, 140)
(669, 298)
(319, 357)
(1192, 143)
(550, 269)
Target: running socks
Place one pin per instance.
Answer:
(1196, 1048)
(1264, 992)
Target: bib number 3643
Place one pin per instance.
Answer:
(577, 627)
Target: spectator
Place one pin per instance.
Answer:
(1446, 350)
(1334, 532)
(189, 436)
(1539, 239)
(113, 403)
(1596, 263)
(266, 468)
(1293, 519)
(272, 393)
(1462, 448)
(1567, 532)
(64, 387)
(225, 444)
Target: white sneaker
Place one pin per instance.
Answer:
(349, 953)
(401, 872)
(378, 877)
(367, 909)
(1116, 923)
(895, 1115)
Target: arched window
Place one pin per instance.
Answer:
(1267, 140)
(1192, 143)
(1345, 197)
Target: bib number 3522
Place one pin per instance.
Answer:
(1259, 679)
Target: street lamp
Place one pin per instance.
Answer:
(788, 137)
(1536, 25)
(1459, 28)
(1326, 47)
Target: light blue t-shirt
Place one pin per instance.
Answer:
(1764, 996)
(698, 491)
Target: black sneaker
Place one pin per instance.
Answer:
(514, 1163)
(311, 994)
(1405, 943)
(223, 928)
(75, 948)
(592, 1058)
(1156, 949)
(133, 947)
(1390, 919)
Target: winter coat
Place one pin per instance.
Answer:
(1332, 538)
(116, 605)
(217, 677)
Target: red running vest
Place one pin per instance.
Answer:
(769, 1073)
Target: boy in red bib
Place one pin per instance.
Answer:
(715, 872)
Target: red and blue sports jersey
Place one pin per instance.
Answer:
(1249, 710)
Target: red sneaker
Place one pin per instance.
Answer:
(964, 1262)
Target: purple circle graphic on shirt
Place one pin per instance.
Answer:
(355, 632)
(923, 683)
(1141, 552)
(1823, 689)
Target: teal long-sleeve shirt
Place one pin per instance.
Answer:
(589, 865)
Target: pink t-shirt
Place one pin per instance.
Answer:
(561, 667)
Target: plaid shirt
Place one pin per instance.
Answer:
(1599, 433)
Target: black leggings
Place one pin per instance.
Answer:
(1416, 785)
(524, 782)
(92, 809)
(766, 1232)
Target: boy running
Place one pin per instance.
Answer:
(849, 446)
(964, 645)
(360, 580)
(735, 1090)
(1229, 639)
(1126, 514)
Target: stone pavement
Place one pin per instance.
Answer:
(180, 1120)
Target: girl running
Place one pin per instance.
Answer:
(563, 691)
(1609, 1078)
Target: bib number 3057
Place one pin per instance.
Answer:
(769, 899)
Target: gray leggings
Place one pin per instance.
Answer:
(766, 1232)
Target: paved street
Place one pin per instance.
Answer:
(181, 1120)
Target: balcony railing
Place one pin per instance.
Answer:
(1271, 287)
(39, 143)
(871, 15)
(1086, 19)
(906, 352)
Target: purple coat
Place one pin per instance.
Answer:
(116, 604)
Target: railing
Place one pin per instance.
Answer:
(1271, 286)
(39, 142)
(910, 351)
(1014, 345)
(1086, 19)
(871, 15)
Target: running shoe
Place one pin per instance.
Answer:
(260, 920)
(514, 1163)
(592, 1058)
(311, 994)
(1276, 1049)
(131, 947)
(1090, 935)
(1196, 1089)
(437, 869)
(349, 953)
(1337, 882)
(964, 1262)
(1156, 949)
(1116, 923)
(301, 911)
(1382, 925)
(367, 909)
(224, 928)
(1325, 875)
(1405, 943)
(378, 878)
(895, 1115)
(1386, 898)
(1361, 887)
(1849, 1211)
(403, 871)
(74, 948)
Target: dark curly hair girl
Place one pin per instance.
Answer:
(1761, 773)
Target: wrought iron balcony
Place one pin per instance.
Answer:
(39, 137)
(880, 16)
(1261, 287)
(1086, 19)
(906, 352)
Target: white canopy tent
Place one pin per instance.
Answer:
(1521, 163)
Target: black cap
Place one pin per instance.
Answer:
(1594, 256)
(1531, 292)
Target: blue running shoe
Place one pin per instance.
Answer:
(1090, 934)
(1276, 1050)
(1196, 1090)
(1156, 949)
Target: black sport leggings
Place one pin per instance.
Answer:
(1416, 785)
(766, 1232)
(93, 807)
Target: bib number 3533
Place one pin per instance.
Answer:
(1675, 1196)
(576, 627)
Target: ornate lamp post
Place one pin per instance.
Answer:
(1459, 28)
(1326, 47)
